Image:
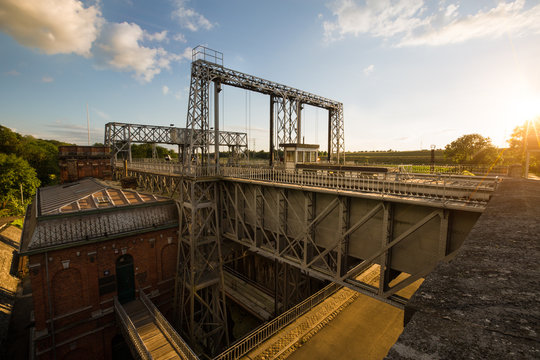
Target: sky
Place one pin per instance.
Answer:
(410, 73)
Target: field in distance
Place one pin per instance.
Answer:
(396, 157)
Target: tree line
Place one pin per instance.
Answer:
(476, 149)
(25, 164)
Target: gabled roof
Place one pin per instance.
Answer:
(87, 194)
(90, 210)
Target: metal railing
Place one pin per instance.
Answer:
(265, 331)
(176, 341)
(449, 169)
(472, 190)
(128, 329)
(171, 168)
(439, 187)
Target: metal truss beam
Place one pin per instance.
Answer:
(288, 100)
(268, 234)
(120, 136)
(330, 236)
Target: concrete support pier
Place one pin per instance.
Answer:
(485, 303)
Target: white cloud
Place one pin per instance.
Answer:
(47, 79)
(165, 89)
(12, 73)
(503, 19)
(67, 26)
(368, 70)
(159, 36)
(407, 23)
(52, 26)
(119, 47)
(180, 38)
(382, 18)
(189, 18)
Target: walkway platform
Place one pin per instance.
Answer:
(153, 338)
(254, 300)
(484, 304)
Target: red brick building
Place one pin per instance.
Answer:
(86, 243)
(77, 162)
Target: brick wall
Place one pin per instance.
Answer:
(82, 315)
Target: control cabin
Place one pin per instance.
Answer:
(299, 154)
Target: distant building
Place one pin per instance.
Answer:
(87, 242)
(77, 162)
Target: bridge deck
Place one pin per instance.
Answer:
(153, 338)
(434, 189)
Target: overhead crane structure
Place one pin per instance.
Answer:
(285, 107)
(120, 136)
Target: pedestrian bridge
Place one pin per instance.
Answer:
(148, 334)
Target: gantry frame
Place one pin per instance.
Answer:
(286, 104)
(120, 136)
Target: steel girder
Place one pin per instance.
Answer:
(287, 99)
(119, 136)
(330, 258)
(199, 292)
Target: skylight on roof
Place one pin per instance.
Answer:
(102, 200)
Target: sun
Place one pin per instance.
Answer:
(527, 107)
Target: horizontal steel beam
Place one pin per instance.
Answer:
(244, 81)
(137, 133)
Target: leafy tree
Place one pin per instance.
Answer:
(471, 149)
(9, 140)
(515, 154)
(14, 172)
(145, 151)
(42, 155)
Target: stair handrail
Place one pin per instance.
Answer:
(267, 330)
(130, 331)
(174, 338)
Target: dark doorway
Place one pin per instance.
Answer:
(125, 280)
